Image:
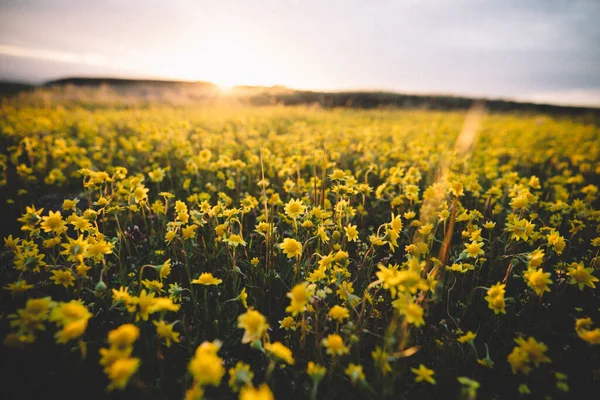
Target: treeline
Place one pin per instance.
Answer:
(190, 92)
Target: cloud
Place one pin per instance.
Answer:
(571, 97)
(53, 55)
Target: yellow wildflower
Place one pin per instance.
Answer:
(299, 296)
(165, 331)
(121, 371)
(581, 276)
(339, 313)
(254, 324)
(262, 393)
(351, 232)
(423, 374)
(294, 208)
(473, 249)
(335, 345)
(206, 278)
(467, 337)
(291, 247)
(62, 277)
(355, 373)
(538, 280)
(280, 351)
(206, 367)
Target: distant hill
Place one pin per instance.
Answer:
(119, 82)
(154, 90)
(435, 102)
(10, 88)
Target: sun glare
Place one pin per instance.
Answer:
(224, 60)
(225, 88)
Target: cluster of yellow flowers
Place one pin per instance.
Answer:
(527, 352)
(118, 364)
(206, 367)
(353, 245)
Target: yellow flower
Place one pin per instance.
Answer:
(556, 241)
(535, 350)
(175, 292)
(294, 208)
(280, 351)
(18, 287)
(344, 290)
(291, 247)
(335, 345)
(165, 269)
(206, 278)
(235, 240)
(52, 242)
(339, 313)
(525, 353)
(337, 174)
(351, 232)
(413, 314)
(262, 393)
(519, 361)
(144, 302)
(521, 229)
(31, 218)
(121, 371)
(495, 298)
(157, 175)
(36, 309)
(473, 249)
(124, 336)
(340, 257)
(381, 359)
(254, 324)
(538, 280)
(165, 331)
(486, 362)
(396, 224)
(120, 295)
(76, 249)
(98, 249)
(457, 188)
(426, 229)
(62, 277)
(315, 371)
(169, 236)
(240, 376)
(109, 355)
(355, 373)
(536, 258)
(153, 285)
(423, 374)
(66, 313)
(581, 276)
(53, 222)
(189, 232)
(11, 243)
(489, 225)
(244, 298)
(583, 327)
(288, 323)
(206, 367)
(163, 304)
(71, 331)
(467, 337)
(299, 296)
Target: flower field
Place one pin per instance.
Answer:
(296, 252)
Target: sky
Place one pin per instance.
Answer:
(535, 50)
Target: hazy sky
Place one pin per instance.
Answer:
(542, 50)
